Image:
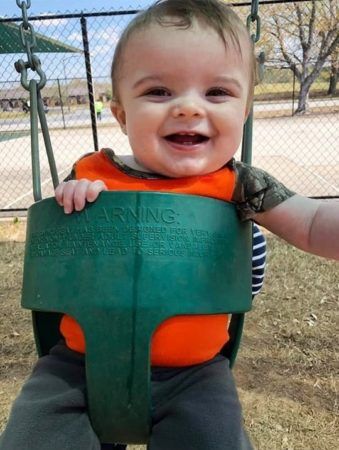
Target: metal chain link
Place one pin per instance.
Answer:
(28, 40)
(254, 18)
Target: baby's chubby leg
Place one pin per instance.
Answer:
(197, 408)
(50, 411)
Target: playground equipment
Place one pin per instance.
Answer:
(120, 288)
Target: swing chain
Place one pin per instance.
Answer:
(37, 112)
(254, 18)
(28, 40)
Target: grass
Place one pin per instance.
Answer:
(287, 88)
(286, 371)
(8, 135)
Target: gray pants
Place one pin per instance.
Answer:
(194, 408)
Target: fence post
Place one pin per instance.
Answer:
(89, 81)
(66, 85)
(293, 93)
(61, 104)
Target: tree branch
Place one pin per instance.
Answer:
(284, 51)
(300, 25)
(311, 26)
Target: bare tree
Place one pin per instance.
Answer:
(306, 35)
(334, 60)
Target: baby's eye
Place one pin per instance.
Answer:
(158, 92)
(217, 92)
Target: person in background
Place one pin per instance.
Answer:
(99, 106)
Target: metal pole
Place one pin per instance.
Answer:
(246, 149)
(89, 81)
(66, 85)
(293, 93)
(47, 140)
(61, 104)
(252, 19)
(35, 141)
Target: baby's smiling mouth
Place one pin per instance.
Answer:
(186, 138)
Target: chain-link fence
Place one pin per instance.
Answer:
(300, 149)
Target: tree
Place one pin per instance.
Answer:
(306, 34)
(334, 60)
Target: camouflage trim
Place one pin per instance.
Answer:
(71, 176)
(138, 173)
(257, 191)
(119, 164)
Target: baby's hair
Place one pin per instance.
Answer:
(181, 14)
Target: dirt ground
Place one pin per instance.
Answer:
(286, 372)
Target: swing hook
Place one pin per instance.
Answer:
(22, 66)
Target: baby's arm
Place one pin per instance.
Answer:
(311, 225)
(73, 194)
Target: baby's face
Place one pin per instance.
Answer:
(183, 99)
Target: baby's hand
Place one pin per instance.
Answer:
(74, 194)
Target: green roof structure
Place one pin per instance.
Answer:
(10, 42)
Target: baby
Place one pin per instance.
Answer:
(183, 78)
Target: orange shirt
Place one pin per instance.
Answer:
(181, 340)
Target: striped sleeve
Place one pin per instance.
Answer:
(258, 259)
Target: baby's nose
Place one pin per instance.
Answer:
(188, 107)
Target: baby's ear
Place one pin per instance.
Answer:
(120, 115)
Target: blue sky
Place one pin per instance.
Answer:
(103, 33)
(10, 8)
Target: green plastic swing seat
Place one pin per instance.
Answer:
(120, 268)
